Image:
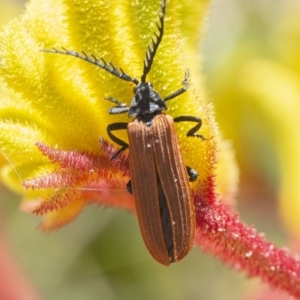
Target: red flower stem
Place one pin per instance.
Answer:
(222, 234)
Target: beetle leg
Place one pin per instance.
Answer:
(182, 90)
(192, 131)
(117, 126)
(193, 175)
(129, 186)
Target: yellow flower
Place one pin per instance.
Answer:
(53, 107)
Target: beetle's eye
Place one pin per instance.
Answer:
(134, 90)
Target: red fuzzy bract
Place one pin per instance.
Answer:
(222, 234)
(77, 172)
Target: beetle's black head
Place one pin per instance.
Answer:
(145, 101)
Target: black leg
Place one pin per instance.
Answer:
(193, 175)
(182, 90)
(129, 187)
(117, 126)
(192, 131)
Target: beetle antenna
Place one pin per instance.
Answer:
(109, 67)
(152, 47)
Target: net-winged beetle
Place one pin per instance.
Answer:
(159, 178)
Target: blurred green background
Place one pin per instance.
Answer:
(101, 254)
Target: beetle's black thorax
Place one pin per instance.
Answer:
(146, 103)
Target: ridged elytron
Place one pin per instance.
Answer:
(159, 179)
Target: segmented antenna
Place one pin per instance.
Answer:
(150, 53)
(109, 67)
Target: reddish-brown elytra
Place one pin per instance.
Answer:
(161, 189)
(159, 178)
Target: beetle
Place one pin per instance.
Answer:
(159, 178)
